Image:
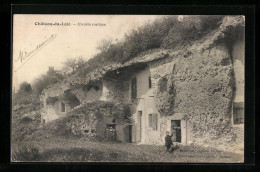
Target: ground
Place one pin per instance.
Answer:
(56, 149)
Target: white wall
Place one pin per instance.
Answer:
(145, 103)
(54, 112)
(238, 54)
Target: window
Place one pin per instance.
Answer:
(150, 82)
(238, 113)
(134, 89)
(153, 120)
(62, 107)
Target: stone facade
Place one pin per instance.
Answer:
(114, 90)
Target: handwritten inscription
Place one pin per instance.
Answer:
(24, 56)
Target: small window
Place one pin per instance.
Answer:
(150, 82)
(153, 120)
(62, 107)
(134, 89)
(238, 113)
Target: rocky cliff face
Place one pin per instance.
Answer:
(200, 82)
(203, 90)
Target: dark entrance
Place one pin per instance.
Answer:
(130, 133)
(110, 132)
(176, 130)
(62, 105)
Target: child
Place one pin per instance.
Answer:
(168, 141)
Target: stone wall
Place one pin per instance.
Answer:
(90, 120)
(201, 86)
(238, 55)
(198, 85)
(89, 95)
(114, 90)
(48, 114)
(51, 92)
(80, 93)
(203, 89)
(53, 111)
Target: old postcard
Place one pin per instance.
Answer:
(128, 88)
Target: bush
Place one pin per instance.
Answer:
(44, 81)
(165, 94)
(25, 87)
(20, 110)
(190, 29)
(26, 152)
(24, 130)
(149, 36)
(23, 98)
(119, 111)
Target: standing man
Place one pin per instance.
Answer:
(168, 141)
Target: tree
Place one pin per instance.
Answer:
(104, 44)
(52, 76)
(80, 62)
(74, 65)
(70, 64)
(25, 87)
(80, 65)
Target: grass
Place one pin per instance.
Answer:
(60, 149)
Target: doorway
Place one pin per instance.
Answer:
(139, 126)
(176, 130)
(130, 133)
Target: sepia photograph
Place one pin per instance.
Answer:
(128, 88)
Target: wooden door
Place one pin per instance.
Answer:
(139, 126)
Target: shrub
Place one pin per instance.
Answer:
(22, 109)
(23, 98)
(119, 111)
(149, 36)
(25, 87)
(85, 118)
(44, 81)
(190, 29)
(24, 130)
(165, 94)
(26, 152)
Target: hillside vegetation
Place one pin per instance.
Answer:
(167, 33)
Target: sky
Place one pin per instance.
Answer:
(36, 47)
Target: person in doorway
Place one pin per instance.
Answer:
(168, 141)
